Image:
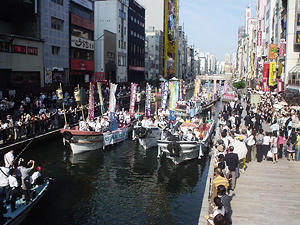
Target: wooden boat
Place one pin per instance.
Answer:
(82, 141)
(147, 137)
(181, 151)
(22, 209)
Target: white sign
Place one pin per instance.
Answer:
(115, 136)
(86, 78)
(82, 43)
(85, 3)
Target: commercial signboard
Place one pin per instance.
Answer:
(82, 43)
(79, 64)
(136, 68)
(272, 51)
(259, 38)
(282, 48)
(82, 22)
(32, 50)
(266, 70)
(272, 80)
(85, 3)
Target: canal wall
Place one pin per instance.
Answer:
(208, 188)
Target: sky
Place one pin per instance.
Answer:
(212, 25)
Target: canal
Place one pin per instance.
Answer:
(123, 184)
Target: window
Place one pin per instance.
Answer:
(138, 35)
(85, 13)
(60, 2)
(119, 44)
(131, 32)
(134, 34)
(137, 21)
(131, 18)
(122, 14)
(57, 24)
(4, 47)
(134, 20)
(124, 45)
(81, 54)
(82, 33)
(119, 28)
(124, 30)
(121, 60)
(55, 50)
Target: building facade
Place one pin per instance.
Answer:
(111, 16)
(136, 42)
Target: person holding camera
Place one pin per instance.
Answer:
(25, 169)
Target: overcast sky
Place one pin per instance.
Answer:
(212, 25)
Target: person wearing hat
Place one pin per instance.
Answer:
(36, 177)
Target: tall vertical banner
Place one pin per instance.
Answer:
(196, 88)
(177, 90)
(265, 84)
(165, 95)
(215, 86)
(91, 102)
(172, 101)
(225, 88)
(148, 100)
(272, 51)
(180, 90)
(132, 98)
(282, 48)
(100, 96)
(272, 80)
(279, 85)
(112, 100)
(170, 37)
(266, 70)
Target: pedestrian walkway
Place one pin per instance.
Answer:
(267, 194)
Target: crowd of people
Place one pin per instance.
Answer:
(17, 177)
(269, 129)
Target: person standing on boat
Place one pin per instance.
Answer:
(4, 186)
(9, 158)
(82, 125)
(26, 185)
(14, 188)
(189, 135)
(145, 122)
(194, 138)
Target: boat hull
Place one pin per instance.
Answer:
(149, 140)
(22, 209)
(83, 141)
(188, 149)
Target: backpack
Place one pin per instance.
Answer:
(259, 139)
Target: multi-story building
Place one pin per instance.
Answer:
(21, 47)
(155, 52)
(81, 42)
(111, 16)
(55, 32)
(136, 42)
(181, 54)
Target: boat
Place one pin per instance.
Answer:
(147, 137)
(83, 141)
(23, 209)
(181, 151)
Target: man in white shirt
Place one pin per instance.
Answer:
(4, 186)
(145, 122)
(9, 158)
(82, 125)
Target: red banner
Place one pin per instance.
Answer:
(82, 22)
(282, 48)
(266, 70)
(78, 64)
(279, 85)
(98, 77)
(265, 84)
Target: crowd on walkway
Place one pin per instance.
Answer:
(269, 131)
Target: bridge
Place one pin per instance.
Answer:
(215, 76)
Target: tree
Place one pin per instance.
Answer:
(239, 84)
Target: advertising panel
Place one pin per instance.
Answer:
(82, 22)
(266, 70)
(282, 48)
(79, 64)
(259, 38)
(48, 75)
(272, 51)
(272, 80)
(82, 43)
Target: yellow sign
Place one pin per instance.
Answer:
(272, 74)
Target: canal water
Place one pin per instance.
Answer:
(123, 184)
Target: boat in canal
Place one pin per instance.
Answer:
(147, 137)
(181, 151)
(23, 209)
(83, 141)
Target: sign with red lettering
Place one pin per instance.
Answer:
(282, 48)
(136, 68)
(259, 37)
(266, 70)
(98, 77)
(82, 22)
(79, 64)
(19, 49)
(32, 51)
